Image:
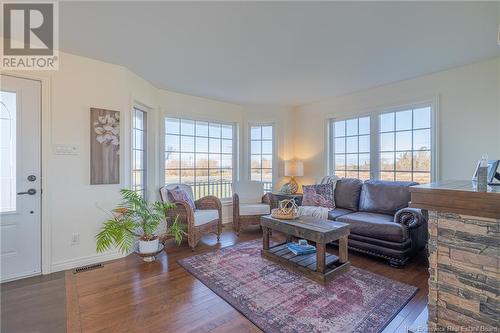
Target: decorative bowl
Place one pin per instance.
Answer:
(287, 210)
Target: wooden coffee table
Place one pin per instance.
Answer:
(320, 266)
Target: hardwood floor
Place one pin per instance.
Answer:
(129, 295)
(33, 305)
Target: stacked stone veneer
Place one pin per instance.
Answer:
(464, 273)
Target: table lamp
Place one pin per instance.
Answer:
(294, 168)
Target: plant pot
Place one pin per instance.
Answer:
(148, 246)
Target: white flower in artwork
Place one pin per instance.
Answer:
(107, 128)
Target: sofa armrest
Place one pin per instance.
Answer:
(410, 217)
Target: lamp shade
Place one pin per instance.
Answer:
(294, 168)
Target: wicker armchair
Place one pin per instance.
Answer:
(204, 220)
(249, 204)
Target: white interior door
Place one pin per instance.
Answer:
(20, 171)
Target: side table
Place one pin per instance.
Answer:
(279, 196)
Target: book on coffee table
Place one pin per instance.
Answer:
(301, 249)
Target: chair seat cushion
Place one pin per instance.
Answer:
(203, 216)
(375, 225)
(255, 209)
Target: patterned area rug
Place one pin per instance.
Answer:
(278, 300)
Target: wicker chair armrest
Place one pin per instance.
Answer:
(236, 206)
(208, 202)
(410, 217)
(268, 199)
(184, 211)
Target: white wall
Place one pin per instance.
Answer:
(71, 204)
(469, 110)
(468, 106)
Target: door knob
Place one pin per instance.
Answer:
(31, 191)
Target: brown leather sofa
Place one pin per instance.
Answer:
(381, 222)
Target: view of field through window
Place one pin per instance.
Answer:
(352, 148)
(403, 146)
(139, 151)
(200, 154)
(261, 155)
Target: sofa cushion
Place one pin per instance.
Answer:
(347, 192)
(338, 212)
(254, 209)
(181, 194)
(321, 195)
(384, 197)
(375, 225)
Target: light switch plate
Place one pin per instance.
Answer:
(66, 149)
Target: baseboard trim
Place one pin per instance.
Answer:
(83, 261)
(20, 277)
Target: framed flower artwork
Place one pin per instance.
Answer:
(104, 146)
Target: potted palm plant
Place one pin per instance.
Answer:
(135, 218)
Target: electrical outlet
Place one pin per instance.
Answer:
(75, 239)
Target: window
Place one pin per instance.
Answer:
(394, 145)
(261, 155)
(139, 156)
(405, 145)
(8, 151)
(351, 142)
(200, 154)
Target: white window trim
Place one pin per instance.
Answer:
(146, 110)
(374, 138)
(331, 138)
(249, 153)
(235, 139)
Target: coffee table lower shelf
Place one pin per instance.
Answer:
(306, 264)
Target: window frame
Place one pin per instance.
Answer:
(273, 153)
(14, 125)
(145, 185)
(433, 103)
(234, 152)
(332, 153)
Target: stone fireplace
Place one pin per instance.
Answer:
(464, 256)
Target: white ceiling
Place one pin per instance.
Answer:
(285, 53)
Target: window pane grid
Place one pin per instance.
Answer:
(351, 147)
(139, 157)
(261, 155)
(200, 154)
(404, 159)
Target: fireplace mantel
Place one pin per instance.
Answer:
(463, 255)
(459, 197)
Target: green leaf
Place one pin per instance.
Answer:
(140, 219)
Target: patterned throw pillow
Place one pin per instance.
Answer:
(178, 194)
(321, 195)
